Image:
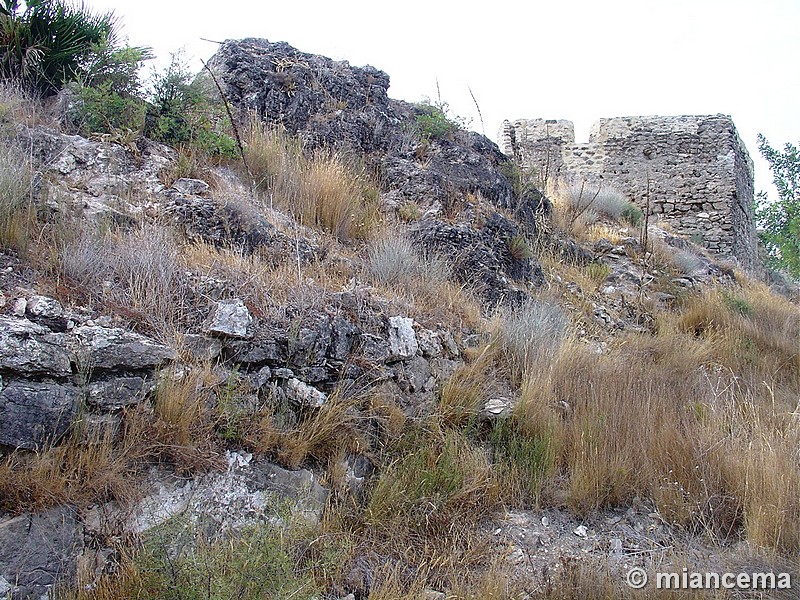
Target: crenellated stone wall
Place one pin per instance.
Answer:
(694, 171)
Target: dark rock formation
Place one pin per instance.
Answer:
(44, 376)
(38, 551)
(29, 348)
(107, 349)
(483, 257)
(33, 414)
(332, 104)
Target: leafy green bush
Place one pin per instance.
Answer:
(109, 97)
(632, 214)
(432, 122)
(176, 562)
(49, 43)
(181, 112)
(102, 109)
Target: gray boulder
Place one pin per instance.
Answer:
(482, 258)
(33, 414)
(118, 392)
(302, 394)
(231, 318)
(402, 339)
(330, 103)
(107, 349)
(31, 349)
(38, 551)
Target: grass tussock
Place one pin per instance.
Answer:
(700, 417)
(530, 336)
(183, 424)
(81, 470)
(17, 211)
(423, 280)
(138, 271)
(326, 190)
(467, 390)
(17, 106)
(580, 205)
(322, 434)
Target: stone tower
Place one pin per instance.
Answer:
(693, 171)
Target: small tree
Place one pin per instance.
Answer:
(779, 221)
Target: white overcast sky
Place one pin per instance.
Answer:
(573, 59)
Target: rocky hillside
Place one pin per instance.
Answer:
(367, 359)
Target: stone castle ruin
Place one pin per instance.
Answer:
(692, 171)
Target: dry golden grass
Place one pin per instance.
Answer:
(17, 106)
(322, 433)
(468, 389)
(79, 471)
(184, 418)
(136, 272)
(701, 417)
(422, 281)
(326, 190)
(266, 285)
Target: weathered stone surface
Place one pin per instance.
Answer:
(247, 492)
(202, 347)
(235, 222)
(481, 258)
(29, 348)
(496, 408)
(193, 187)
(33, 414)
(343, 338)
(693, 170)
(231, 318)
(110, 348)
(266, 350)
(38, 551)
(303, 394)
(100, 178)
(415, 376)
(302, 487)
(118, 392)
(402, 338)
(42, 306)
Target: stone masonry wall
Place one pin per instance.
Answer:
(695, 170)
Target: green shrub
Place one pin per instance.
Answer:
(525, 459)
(182, 112)
(109, 97)
(176, 562)
(736, 304)
(632, 214)
(101, 109)
(435, 122)
(432, 123)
